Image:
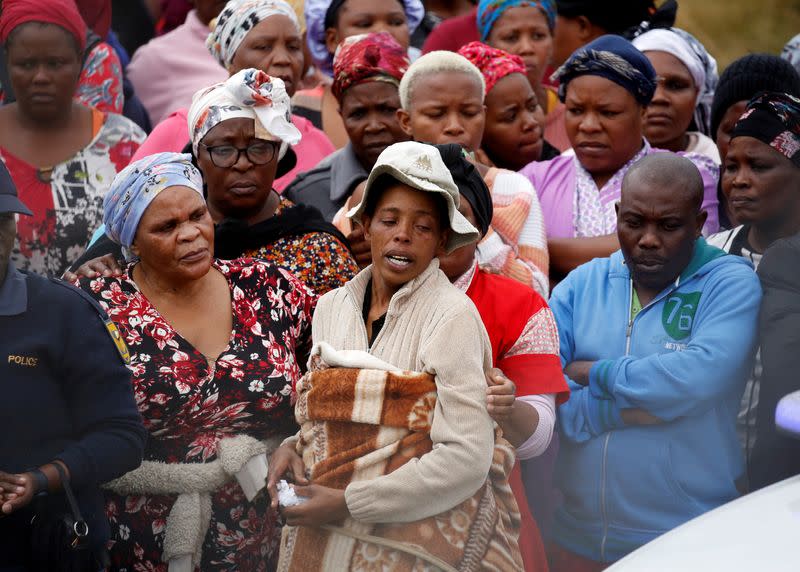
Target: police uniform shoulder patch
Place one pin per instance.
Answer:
(109, 325)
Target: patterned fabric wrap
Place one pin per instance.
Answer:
(100, 84)
(494, 64)
(593, 209)
(368, 57)
(251, 94)
(62, 13)
(235, 22)
(315, 11)
(701, 65)
(773, 118)
(359, 423)
(137, 185)
(489, 11)
(615, 59)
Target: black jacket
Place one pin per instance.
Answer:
(776, 456)
(66, 395)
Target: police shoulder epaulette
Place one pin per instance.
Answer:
(110, 326)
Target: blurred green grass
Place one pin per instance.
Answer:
(732, 28)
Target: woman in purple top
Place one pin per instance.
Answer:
(606, 87)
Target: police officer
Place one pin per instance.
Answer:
(67, 409)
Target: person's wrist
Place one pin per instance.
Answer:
(39, 480)
(344, 510)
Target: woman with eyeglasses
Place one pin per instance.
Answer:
(240, 145)
(265, 35)
(216, 340)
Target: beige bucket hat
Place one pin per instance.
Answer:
(420, 166)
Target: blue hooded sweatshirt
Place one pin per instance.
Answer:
(684, 359)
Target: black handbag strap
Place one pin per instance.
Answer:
(79, 526)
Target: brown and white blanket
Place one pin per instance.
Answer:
(358, 423)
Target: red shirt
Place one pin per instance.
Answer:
(453, 33)
(524, 338)
(522, 332)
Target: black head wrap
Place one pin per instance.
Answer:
(774, 119)
(469, 182)
(332, 13)
(622, 17)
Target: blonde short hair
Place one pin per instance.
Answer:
(439, 61)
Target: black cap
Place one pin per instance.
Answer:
(470, 184)
(750, 75)
(614, 16)
(9, 202)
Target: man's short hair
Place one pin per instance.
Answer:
(669, 170)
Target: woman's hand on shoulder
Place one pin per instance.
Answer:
(106, 266)
(322, 505)
(500, 396)
(284, 463)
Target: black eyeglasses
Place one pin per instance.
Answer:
(258, 153)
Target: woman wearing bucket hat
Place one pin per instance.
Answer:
(403, 310)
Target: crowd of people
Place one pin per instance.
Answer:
(393, 285)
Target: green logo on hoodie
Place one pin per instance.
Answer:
(678, 314)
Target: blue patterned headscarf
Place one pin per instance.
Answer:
(137, 185)
(489, 11)
(615, 59)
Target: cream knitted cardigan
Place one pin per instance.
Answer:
(430, 327)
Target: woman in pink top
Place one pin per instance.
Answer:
(261, 34)
(167, 70)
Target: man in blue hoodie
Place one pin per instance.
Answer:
(657, 342)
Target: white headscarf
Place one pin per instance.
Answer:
(237, 19)
(251, 94)
(701, 65)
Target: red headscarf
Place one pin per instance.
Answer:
(494, 64)
(96, 14)
(368, 57)
(62, 13)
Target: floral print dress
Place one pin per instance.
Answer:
(188, 406)
(67, 202)
(319, 259)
